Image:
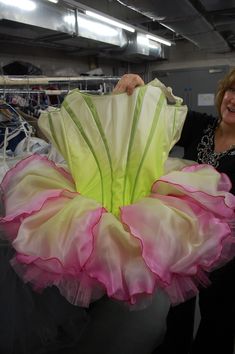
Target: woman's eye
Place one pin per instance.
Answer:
(231, 89)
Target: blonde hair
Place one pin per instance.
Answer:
(223, 86)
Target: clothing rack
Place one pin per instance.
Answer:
(63, 84)
(6, 80)
(38, 80)
(46, 92)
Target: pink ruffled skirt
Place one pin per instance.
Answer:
(169, 239)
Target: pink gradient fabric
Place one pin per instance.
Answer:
(167, 240)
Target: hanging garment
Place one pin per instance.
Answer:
(17, 128)
(14, 130)
(116, 223)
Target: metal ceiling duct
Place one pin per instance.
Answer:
(182, 18)
(63, 24)
(44, 15)
(66, 25)
(140, 49)
(97, 31)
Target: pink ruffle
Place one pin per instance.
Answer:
(67, 270)
(168, 240)
(24, 163)
(179, 267)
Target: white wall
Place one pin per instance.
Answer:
(186, 55)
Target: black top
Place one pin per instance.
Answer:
(194, 129)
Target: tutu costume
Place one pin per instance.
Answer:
(121, 220)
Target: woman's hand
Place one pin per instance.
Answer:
(128, 83)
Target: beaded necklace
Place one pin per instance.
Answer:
(205, 148)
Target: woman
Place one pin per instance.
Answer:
(209, 141)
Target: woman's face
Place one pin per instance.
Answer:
(227, 108)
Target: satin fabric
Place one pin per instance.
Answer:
(113, 222)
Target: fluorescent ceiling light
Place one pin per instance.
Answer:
(109, 21)
(158, 39)
(27, 5)
(54, 1)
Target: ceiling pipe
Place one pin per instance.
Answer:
(184, 19)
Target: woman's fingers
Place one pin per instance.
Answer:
(128, 83)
